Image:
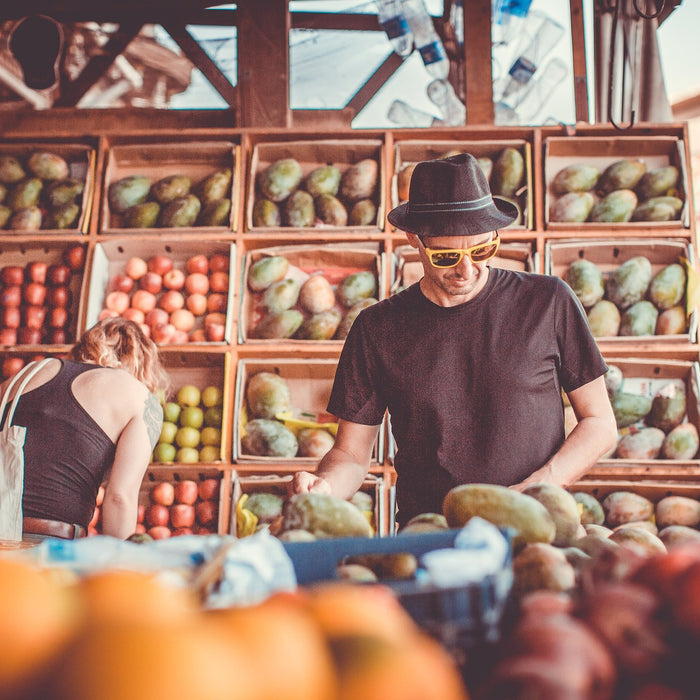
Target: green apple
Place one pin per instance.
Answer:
(210, 436)
(164, 452)
(213, 416)
(171, 411)
(212, 396)
(189, 395)
(167, 432)
(187, 455)
(192, 416)
(187, 436)
(210, 453)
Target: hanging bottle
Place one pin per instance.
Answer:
(425, 38)
(395, 25)
(540, 90)
(442, 95)
(403, 114)
(507, 19)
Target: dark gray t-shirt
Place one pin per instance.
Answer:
(473, 391)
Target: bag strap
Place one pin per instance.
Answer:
(25, 374)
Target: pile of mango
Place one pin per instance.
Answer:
(504, 171)
(632, 300)
(624, 191)
(326, 196)
(654, 427)
(173, 201)
(38, 192)
(268, 398)
(315, 309)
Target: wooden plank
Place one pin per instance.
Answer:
(477, 61)
(578, 47)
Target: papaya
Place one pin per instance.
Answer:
(668, 407)
(645, 443)
(324, 516)
(678, 510)
(639, 319)
(626, 506)
(268, 438)
(586, 280)
(615, 207)
(667, 286)
(504, 507)
(591, 510)
(629, 408)
(682, 442)
(267, 394)
(561, 506)
(629, 282)
(577, 177)
(622, 174)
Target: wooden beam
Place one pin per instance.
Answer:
(578, 48)
(374, 83)
(477, 61)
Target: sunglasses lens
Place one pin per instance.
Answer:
(483, 252)
(445, 259)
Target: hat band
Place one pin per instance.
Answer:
(466, 205)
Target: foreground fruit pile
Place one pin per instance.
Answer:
(115, 635)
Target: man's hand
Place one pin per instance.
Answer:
(305, 482)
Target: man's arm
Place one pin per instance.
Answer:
(592, 437)
(343, 468)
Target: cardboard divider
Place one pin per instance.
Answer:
(343, 153)
(409, 152)
(81, 159)
(334, 261)
(195, 159)
(608, 255)
(110, 257)
(655, 151)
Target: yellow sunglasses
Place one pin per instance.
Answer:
(451, 257)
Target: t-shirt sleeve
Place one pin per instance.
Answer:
(356, 394)
(581, 359)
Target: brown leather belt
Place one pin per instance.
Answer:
(53, 528)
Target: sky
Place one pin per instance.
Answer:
(680, 50)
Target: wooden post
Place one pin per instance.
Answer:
(477, 61)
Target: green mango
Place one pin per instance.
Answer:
(266, 271)
(330, 210)
(586, 280)
(681, 442)
(171, 187)
(621, 175)
(144, 215)
(572, 207)
(592, 512)
(486, 165)
(350, 316)
(668, 408)
(269, 438)
(667, 287)
(215, 187)
(265, 506)
(267, 394)
(299, 210)
(63, 191)
(629, 408)
(276, 326)
(629, 282)
(639, 319)
(646, 443)
(577, 177)
(613, 379)
(508, 172)
(3, 192)
(281, 295)
(359, 181)
(48, 166)
(62, 217)
(604, 319)
(324, 516)
(26, 219)
(25, 194)
(280, 179)
(316, 294)
(5, 214)
(356, 287)
(128, 191)
(215, 213)
(657, 182)
(615, 207)
(320, 326)
(11, 170)
(266, 213)
(314, 442)
(325, 179)
(180, 212)
(656, 209)
(362, 213)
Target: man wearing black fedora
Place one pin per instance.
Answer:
(470, 361)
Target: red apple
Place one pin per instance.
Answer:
(180, 338)
(28, 336)
(140, 528)
(121, 283)
(136, 267)
(216, 302)
(207, 512)
(182, 515)
(106, 313)
(197, 304)
(12, 275)
(171, 300)
(57, 336)
(180, 531)
(8, 336)
(163, 493)
(151, 282)
(186, 491)
(197, 263)
(58, 317)
(198, 335)
(182, 319)
(58, 274)
(208, 489)
(34, 293)
(35, 271)
(160, 264)
(117, 301)
(140, 513)
(11, 296)
(58, 296)
(215, 332)
(218, 282)
(74, 257)
(219, 262)
(143, 300)
(11, 365)
(163, 333)
(34, 316)
(135, 315)
(174, 279)
(197, 283)
(10, 317)
(156, 316)
(159, 532)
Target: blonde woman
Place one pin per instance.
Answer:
(96, 416)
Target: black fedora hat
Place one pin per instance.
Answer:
(451, 197)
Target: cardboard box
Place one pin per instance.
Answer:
(608, 255)
(310, 383)
(197, 160)
(81, 160)
(15, 254)
(655, 151)
(203, 369)
(275, 484)
(333, 261)
(407, 267)
(110, 257)
(343, 153)
(408, 153)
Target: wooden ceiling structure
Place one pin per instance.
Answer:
(261, 96)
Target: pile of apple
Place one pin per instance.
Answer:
(191, 429)
(36, 300)
(173, 304)
(11, 364)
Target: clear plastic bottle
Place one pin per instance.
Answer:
(395, 25)
(403, 114)
(442, 95)
(426, 39)
(507, 18)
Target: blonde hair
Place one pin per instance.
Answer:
(117, 342)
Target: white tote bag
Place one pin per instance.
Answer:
(12, 458)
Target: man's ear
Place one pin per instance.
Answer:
(413, 239)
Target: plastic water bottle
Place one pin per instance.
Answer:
(457, 21)
(403, 114)
(395, 25)
(425, 38)
(507, 18)
(442, 95)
